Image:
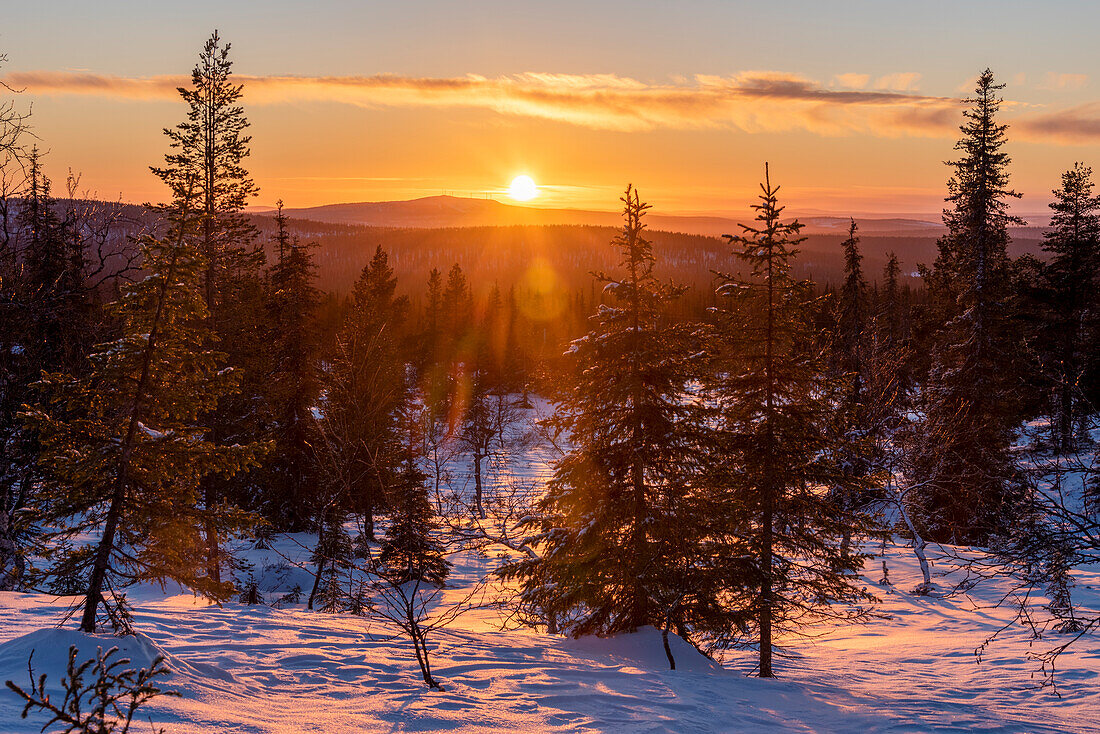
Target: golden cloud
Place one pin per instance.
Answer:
(752, 101)
(1062, 82)
(1073, 126)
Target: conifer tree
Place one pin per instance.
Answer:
(494, 340)
(890, 307)
(433, 322)
(124, 445)
(292, 305)
(366, 387)
(888, 354)
(1072, 277)
(333, 557)
(410, 550)
(853, 316)
(459, 339)
(206, 162)
(477, 432)
(616, 510)
(208, 165)
(959, 454)
(53, 297)
(774, 446)
(854, 418)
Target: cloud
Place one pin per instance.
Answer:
(852, 81)
(1060, 82)
(905, 81)
(1076, 125)
(753, 101)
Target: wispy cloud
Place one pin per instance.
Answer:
(750, 101)
(1076, 125)
(905, 81)
(852, 81)
(1061, 82)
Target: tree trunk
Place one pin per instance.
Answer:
(477, 485)
(919, 544)
(94, 595)
(368, 517)
(98, 578)
(320, 565)
(766, 610)
(213, 544)
(420, 646)
(668, 650)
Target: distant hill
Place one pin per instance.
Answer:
(497, 243)
(433, 212)
(439, 231)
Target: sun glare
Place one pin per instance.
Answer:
(523, 188)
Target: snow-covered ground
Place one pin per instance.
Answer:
(263, 669)
(259, 669)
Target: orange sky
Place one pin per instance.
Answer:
(424, 102)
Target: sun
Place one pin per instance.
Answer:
(523, 188)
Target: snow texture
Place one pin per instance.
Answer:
(260, 669)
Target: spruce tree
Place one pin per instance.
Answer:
(959, 456)
(458, 348)
(1072, 277)
(477, 432)
(124, 445)
(206, 162)
(852, 324)
(54, 300)
(433, 323)
(774, 446)
(411, 551)
(366, 388)
(890, 307)
(292, 304)
(333, 557)
(853, 356)
(616, 511)
(888, 355)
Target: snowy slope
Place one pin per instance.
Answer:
(258, 669)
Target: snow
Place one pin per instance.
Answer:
(259, 669)
(266, 670)
(150, 432)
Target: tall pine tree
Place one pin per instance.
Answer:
(959, 456)
(616, 512)
(1072, 277)
(775, 448)
(207, 159)
(125, 447)
(295, 383)
(366, 388)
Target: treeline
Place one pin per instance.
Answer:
(726, 450)
(504, 255)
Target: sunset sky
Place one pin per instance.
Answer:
(855, 104)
